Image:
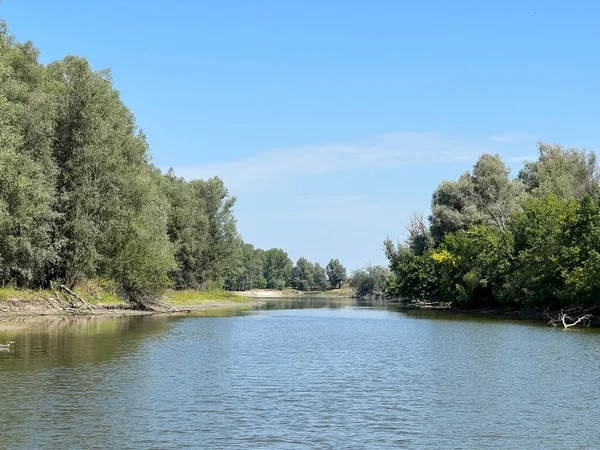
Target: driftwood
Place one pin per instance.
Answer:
(567, 322)
(69, 305)
(74, 295)
(65, 299)
(54, 302)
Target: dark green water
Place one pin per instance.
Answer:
(300, 374)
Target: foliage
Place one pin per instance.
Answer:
(336, 273)
(413, 275)
(453, 208)
(277, 267)
(472, 265)
(532, 241)
(565, 173)
(370, 282)
(539, 238)
(80, 200)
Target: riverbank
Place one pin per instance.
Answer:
(551, 317)
(17, 306)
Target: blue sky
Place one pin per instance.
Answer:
(333, 121)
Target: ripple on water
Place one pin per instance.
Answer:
(341, 377)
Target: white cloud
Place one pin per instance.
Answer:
(263, 171)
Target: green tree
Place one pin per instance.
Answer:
(277, 268)
(221, 255)
(473, 265)
(187, 228)
(453, 208)
(370, 282)
(566, 173)
(320, 278)
(111, 213)
(27, 172)
(581, 258)
(414, 276)
(495, 194)
(336, 273)
(303, 277)
(536, 278)
(250, 272)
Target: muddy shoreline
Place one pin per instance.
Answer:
(25, 314)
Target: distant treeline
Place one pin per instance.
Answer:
(80, 199)
(492, 240)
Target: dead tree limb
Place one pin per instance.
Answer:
(74, 295)
(567, 322)
(58, 299)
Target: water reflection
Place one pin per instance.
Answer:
(73, 341)
(300, 373)
(312, 302)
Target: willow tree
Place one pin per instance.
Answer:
(27, 171)
(564, 172)
(112, 215)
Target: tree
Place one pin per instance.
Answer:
(250, 273)
(565, 173)
(320, 278)
(370, 282)
(303, 277)
(495, 194)
(419, 237)
(453, 208)
(336, 273)
(187, 228)
(473, 265)
(414, 277)
(27, 172)
(536, 277)
(221, 255)
(112, 216)
(277, 268)
(581, 257)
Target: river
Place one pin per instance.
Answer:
(309, 373)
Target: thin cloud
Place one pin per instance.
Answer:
(263, 171)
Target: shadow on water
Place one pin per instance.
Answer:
(311, 302)
(473, 317)
(74, 341)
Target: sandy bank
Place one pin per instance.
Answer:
(18, 314)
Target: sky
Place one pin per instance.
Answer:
(333, 121)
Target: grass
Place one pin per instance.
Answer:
(12, 293)
(195, 297)
(343, 292)
(99, 292)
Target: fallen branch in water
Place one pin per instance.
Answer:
(567, 322)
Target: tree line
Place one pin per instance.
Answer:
(492, 240)
(80, 198)
(274, 269)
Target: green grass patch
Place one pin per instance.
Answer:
(99, 292)
(194, 297)
(12, 293)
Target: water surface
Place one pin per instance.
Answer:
(300, 373)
